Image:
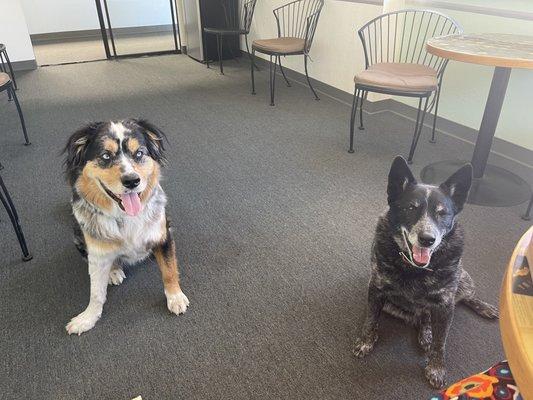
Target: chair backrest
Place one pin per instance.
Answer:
(401, 36)
(299, 19)
(240, 19)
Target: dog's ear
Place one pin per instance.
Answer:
(154, 140)
(77, 145)
(400, 177)
(458, 185)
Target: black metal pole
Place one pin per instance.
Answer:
(491, 116)
(174, 24)
(110, 29)
(102, 28)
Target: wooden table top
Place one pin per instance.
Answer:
(494, 49)
(516, 314)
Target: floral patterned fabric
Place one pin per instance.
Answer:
(496, 383)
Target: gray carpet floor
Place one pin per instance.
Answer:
(273, 224)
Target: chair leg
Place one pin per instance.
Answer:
(272, 79)
(6, 201)
(11, 71)
(207, 58)
(252, 56)
(219, 50)
(363, 98)
(527, 215)
(352, 118)
(307, 77)
(418, 128)
(283, 72)
(21, 116)
(432, 140)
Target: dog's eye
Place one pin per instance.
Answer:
(412, 207)
(139, 154)
(106, 156)
(442, 212)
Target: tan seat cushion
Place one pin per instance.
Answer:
(4, 78)
(399, 76)
(282, 45)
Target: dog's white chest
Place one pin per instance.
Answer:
(138, 236)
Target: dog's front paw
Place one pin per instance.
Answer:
(177, 303)
(82, 323)
(425, 337)
(116, 276)
(363, 346)
(436, 375)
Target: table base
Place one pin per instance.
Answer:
(497, 188)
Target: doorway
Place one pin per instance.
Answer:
(133, 28)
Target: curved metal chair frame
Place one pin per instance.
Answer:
(400, 37)
(9, 87)
(237, 23)
(7, 202)
(297, 19)
(4, 59)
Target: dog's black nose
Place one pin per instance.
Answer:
(426, 239)
(131, 181)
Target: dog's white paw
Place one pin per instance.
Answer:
(116, 276)
(82, 323)
(177, 303)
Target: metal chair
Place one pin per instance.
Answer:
(4, 59)
(237, 23)
(6, 201)
(297, 22)
(7, 84)
(397, 63)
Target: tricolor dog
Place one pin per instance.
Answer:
(113, 169)
(417, 274)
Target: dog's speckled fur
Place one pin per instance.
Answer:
(101, 159)
(423, 297)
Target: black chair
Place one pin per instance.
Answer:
(7, 84)
(238, 23)
(7, 202)
(297, 22)
(4, 59)
(397, 63)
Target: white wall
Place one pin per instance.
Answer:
(14, 32)
(49, 16)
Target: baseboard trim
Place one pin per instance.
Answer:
(96, 33)
(503, 153)
(24, 65)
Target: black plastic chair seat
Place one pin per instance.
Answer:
(225, 31)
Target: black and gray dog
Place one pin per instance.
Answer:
(416, 264)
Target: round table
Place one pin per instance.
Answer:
(492, 185)
(516, 314)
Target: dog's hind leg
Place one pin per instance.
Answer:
(466, 293)
(116, 275)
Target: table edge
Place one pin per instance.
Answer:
(508, 327)
(491, 61)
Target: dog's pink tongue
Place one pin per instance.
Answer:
(421, 255)
(131, 203)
